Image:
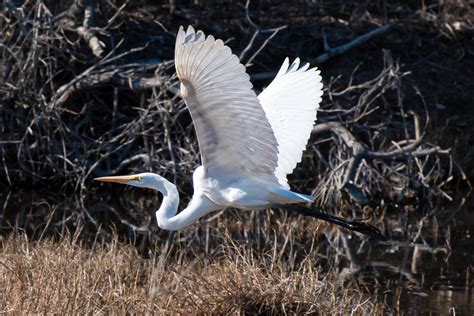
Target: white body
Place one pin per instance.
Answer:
(233, 190)
(248, 144)
(212, 194)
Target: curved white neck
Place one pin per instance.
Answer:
(166, 214)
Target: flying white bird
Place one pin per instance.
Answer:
(248, 143)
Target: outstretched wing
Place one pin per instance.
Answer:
(290, 103)
(233, 132)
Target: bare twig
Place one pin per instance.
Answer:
(87, 33)
(258, 31)
(265, 43)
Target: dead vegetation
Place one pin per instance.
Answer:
(111, 278)
(89, 90)
(75, 106)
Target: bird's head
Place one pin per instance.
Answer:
(141, 180)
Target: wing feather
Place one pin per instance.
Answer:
(233, 131)
(290, 103)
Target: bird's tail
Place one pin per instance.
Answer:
(352, 225)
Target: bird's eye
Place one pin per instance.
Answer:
(137, 178)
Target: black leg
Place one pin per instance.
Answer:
(352, 225)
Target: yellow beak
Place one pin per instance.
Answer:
(118, 179)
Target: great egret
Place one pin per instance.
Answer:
(248, 144)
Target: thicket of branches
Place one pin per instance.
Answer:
(83, 94)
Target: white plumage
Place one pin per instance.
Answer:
(236, 130)
(290, 103)
(232, 130)
(248, 144)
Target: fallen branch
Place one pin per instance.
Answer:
(87, 33)
(133, 76)
(360, 152)
(331, 52)
(70, 18)
(92, 40)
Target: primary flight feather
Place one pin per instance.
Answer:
(248, 143)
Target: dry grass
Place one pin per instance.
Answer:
(68, 116)
(111, 278)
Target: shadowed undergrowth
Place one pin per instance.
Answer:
(392, 140)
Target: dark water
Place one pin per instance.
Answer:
(440, 282)
(442, 300)
(438, 296)
(443, 283)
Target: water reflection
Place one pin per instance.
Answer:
(445, 300)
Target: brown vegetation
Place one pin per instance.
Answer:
(111, 278)
(89, 89)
